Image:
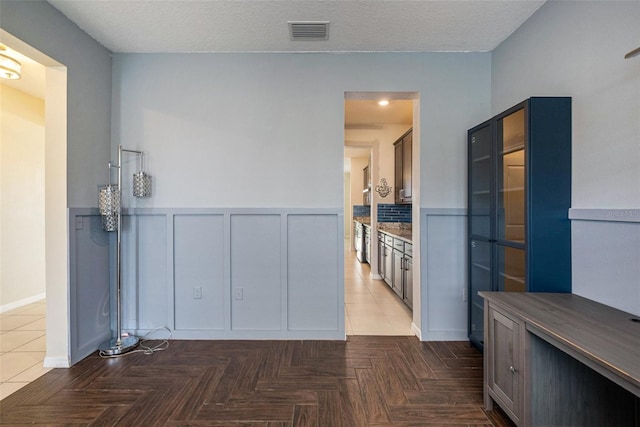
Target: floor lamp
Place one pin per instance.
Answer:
(110, 205)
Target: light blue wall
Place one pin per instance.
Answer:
(573, 48)
(88, 64)
(74, 330)
(263, 131)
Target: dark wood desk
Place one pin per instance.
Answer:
(561, 359)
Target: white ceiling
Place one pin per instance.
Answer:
(138, 26)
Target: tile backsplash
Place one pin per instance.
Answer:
(361, 210)
(394, 213)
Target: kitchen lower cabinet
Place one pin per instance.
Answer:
(407, 281)
(381, 255)
(388, 265)
(398, 270)
(367, 243)
(358, 238)
(395, 261)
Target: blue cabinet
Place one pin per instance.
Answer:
(519, 195)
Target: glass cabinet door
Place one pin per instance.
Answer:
(479, 280)
(480, 182)
(511, 268)
(511, 178)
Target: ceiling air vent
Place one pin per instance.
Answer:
(308, 30)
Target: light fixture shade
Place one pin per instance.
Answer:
(141, 184)
(109, 200)
(9, 68)
(110, 222)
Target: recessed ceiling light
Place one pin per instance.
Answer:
(383, 102)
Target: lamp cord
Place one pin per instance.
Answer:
(144, 349)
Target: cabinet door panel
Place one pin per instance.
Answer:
(480, 171)
(511, 269)
(397, 175)
(407, 152)
(511, 177)
(381, 259)
(388, 265)
(479, 280)
(408, 281)
(504, 358)
(396, 284)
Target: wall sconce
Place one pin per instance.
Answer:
(9, 67)
(383, 189)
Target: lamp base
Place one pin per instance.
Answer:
(114, 348)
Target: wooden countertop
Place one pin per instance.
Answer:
(602, 335)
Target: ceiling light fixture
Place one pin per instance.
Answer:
(9, 67)
(383, 102)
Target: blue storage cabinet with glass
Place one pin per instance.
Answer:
(519, 195)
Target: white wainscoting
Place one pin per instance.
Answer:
(606, 256)
(234, 273)
(444, 274)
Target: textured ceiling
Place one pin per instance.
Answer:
(261, 26)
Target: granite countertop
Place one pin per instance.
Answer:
(402, 230)
(366, 220)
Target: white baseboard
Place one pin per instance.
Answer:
(446, 336)
(416, 331)
(22, 302)
(57, 362)
(376, 276)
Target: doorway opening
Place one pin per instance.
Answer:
(376, 299)
(33, 210)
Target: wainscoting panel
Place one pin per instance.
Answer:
(199, 272)
(255, 272)
(444, 266)
(209, 273)
(89, 282)
(152, 271)
(605, 256)
(315, 299)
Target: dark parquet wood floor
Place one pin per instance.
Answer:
(364, 381)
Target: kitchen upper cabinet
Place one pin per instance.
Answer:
(403, 152)
(519, 195)
(366, 186)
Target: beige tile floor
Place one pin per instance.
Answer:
(22, 346)
(371, 307)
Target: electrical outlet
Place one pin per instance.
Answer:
(197, 292)
(79, 224)
(238, 294)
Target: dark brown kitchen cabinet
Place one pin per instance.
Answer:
(403, 152)
(366, 186)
